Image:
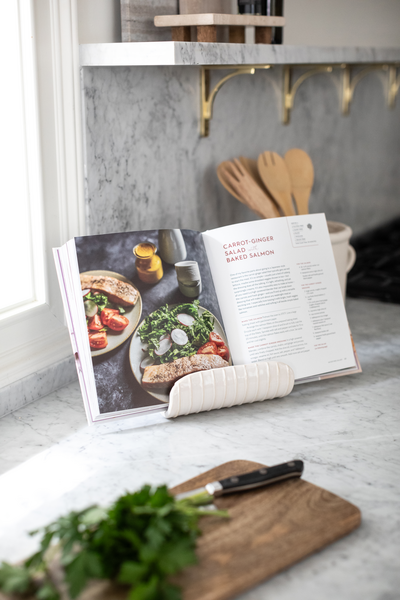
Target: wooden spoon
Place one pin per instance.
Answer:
(274, 173)
(301, 172)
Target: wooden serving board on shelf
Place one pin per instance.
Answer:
(269, 530)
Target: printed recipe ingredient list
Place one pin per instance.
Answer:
(279, 293)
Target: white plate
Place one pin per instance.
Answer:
(136, 354)
(133, 313)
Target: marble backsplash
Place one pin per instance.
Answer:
(147, 167)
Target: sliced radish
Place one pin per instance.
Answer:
(147, 362)
(179, 337)
(185, 319)
(163, 346)
(85, 292)
(90, 308)
(145, 348)
(164, 337)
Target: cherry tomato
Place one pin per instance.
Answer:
(117, 322)
(95, 323)
(217, 339)
(98, 340)
(223, 352)
(106, 315)
(208, 348)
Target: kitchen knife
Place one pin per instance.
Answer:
(246, 481)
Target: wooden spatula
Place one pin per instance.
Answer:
(248, 191)
(274, 173)
(251, 166)
(301, 172)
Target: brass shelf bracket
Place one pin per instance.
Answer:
(394, 85)
(350, 82)
(207, 98)
(289, 89)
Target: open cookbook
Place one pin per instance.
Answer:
(146, 308)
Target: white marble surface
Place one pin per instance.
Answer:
(35, 386)
(194, 53)
(345, 429)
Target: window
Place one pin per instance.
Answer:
(21, 230)
(43, 163)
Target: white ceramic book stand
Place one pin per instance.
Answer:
(229, 386)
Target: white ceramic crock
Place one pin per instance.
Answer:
(344, 253)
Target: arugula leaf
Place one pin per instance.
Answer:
(101, 300)
(162, 321)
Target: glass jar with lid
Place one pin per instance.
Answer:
(148, 264)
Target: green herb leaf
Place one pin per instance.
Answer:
(141, 540)
(164, 320)
(47, 592)
(132, 572)
(14, 580)
(86, 565)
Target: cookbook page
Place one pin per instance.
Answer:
(279, 293)
(149, 315)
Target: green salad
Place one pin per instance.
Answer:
(172, 333)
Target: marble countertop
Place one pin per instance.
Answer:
(196, 53)
(346, 430)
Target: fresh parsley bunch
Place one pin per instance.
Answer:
(143, 539)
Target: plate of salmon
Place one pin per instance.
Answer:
(174, 341)
(113, 307)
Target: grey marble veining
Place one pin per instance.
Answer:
(193, 53)
(37, 385)
(345, 429)
(147, 167)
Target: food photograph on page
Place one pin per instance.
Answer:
(152, 314)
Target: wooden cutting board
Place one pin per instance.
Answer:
(270, 529)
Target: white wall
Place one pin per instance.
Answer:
(309, 22)
(342, 22)
(99, 21)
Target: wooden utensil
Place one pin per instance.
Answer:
(251, 166)
(245, 189)
(301, 172)
(269, 530)
(222, 169)
(274, 173)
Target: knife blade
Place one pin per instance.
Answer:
(246, 481)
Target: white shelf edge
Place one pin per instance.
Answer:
(195, 54)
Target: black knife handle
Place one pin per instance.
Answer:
(261, 477)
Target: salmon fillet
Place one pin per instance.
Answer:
(164, 376)
(117, 291)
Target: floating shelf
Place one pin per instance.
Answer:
(197, 53)
(245, 59)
